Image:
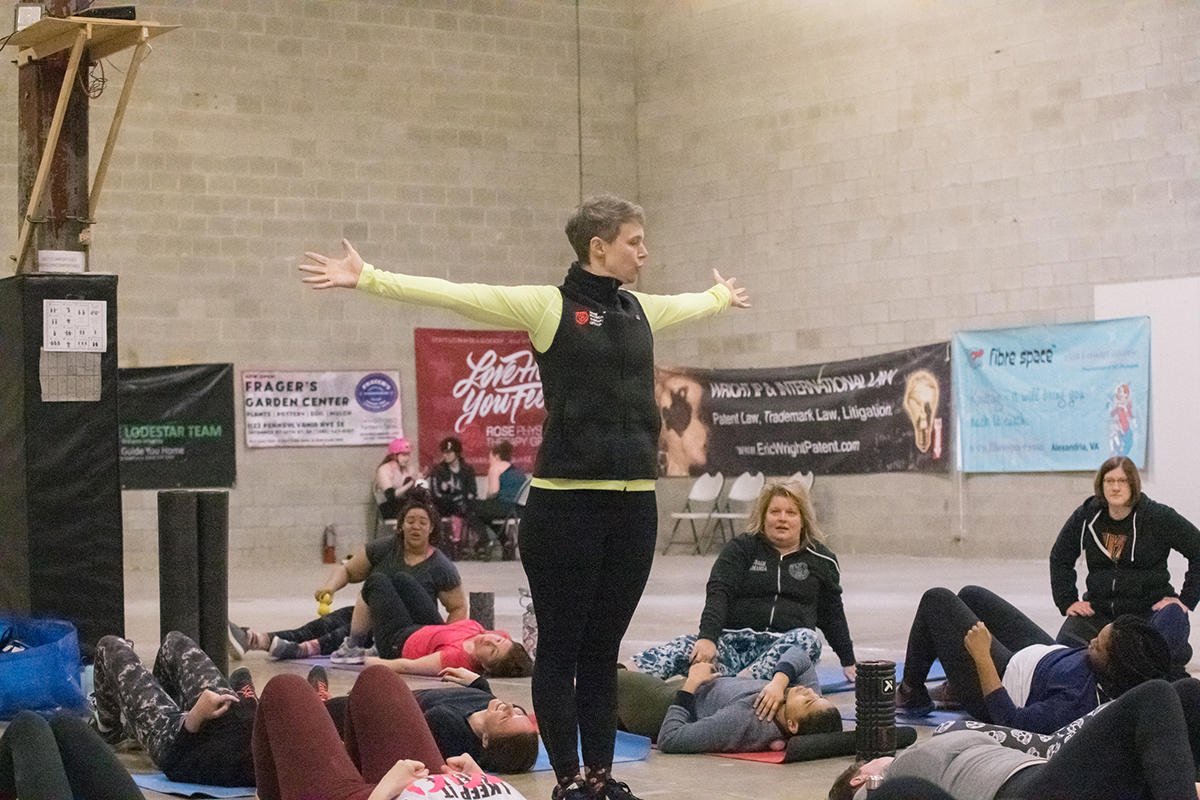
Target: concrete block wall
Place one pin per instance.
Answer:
(441, 138)
(881, 175)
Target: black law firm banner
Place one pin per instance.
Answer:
(885, 413)
(177, 427)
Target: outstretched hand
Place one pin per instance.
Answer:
(333, 273)
(739, 297)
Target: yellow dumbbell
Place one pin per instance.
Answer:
(323, 603)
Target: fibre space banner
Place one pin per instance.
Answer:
(884, 413)
(1053, 398)
(482, 387)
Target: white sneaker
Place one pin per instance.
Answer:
(348, 654)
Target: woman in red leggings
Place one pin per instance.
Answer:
(298, 753)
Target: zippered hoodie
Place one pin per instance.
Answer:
(751, 586)
(1139, 577)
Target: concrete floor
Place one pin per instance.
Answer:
(881, 593)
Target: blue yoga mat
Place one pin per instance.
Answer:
(629, 747)
(833, 681)
(323, 661)
(157, 782)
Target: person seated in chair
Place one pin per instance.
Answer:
(395, 479)
(505, 481)
(468, 718)
(452, 486)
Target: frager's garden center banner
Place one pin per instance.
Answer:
(481, 386)
(1053, 397)
(886, 413)
(313, 409)
(176, 426)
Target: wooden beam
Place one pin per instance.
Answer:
(60, 111)
(118, 116)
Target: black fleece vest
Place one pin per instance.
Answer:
(598, 381)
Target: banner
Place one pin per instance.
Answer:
(481, 386)
(307, 409)
(177, 427)
(1053, 397)
(886, 413)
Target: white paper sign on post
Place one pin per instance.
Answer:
(75, 326)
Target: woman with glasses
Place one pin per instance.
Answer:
(1126, 538)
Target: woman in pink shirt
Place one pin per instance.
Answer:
(413, 640)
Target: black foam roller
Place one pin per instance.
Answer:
(212, 524)
(814, 746)
(482, 607)
(178, 570)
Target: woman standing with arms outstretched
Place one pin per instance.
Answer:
(590, 524)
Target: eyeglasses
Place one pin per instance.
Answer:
(1116, 482)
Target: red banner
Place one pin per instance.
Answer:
(481, 386)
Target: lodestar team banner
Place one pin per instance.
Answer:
(481, 386)
(176, 427)
(1053, 397)
(885, 413)
(314, 409)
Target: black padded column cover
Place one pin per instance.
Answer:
(178, 565)
(60, 491)
(212, 524)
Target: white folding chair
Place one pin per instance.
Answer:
(805, 479)
(700, 505)
(744, 492)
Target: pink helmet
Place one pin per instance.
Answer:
(400, 445)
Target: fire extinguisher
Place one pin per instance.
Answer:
(330, 544)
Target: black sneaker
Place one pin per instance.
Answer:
(613, 789)
(575, 790)
(282, 648)
(912, 702)
(319, 681)
(239, 642)
(242, 684)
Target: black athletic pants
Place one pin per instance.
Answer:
(942, 621)
(587, 554)
(59, 760)
(399, 606)
(329, 630)
(1136, 747)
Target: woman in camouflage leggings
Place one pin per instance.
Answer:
(194, 726)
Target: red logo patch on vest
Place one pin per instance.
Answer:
(581, 317)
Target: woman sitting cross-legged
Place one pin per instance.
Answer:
(768, 591)
(1006, 670)
(413, 640)
(1135, 747)
(388, 747)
